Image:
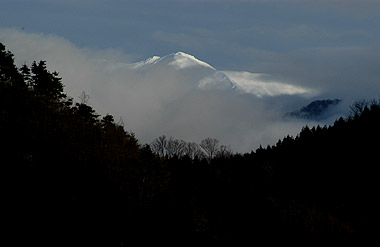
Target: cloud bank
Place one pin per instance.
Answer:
(164, 95)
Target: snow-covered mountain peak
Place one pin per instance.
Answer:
(151, 60)
(196, 72)
(182, 60)
(179, 60)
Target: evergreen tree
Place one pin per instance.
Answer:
(86, 113)
(8, 70)
(45, 82)
(25, 71)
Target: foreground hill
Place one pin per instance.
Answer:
(68, 174)
(323, 180)
(327, 176)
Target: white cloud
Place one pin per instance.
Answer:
(162, 101)
(255, 83)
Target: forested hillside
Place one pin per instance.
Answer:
(70, 173)
(67, 170)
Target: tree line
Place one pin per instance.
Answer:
(209, 148)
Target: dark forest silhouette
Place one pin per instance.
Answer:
(70, 173)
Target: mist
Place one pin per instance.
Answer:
(155, 102)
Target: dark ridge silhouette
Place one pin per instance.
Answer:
(316, 110)
(71, 176)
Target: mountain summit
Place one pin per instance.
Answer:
(182, 60)
(191, 70)
(179, 60)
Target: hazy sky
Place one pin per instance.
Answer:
(230, 34)
(332, 46)
(306, 41)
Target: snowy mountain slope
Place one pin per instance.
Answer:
(182, 60)
(194, 71)
(217, 80)
(179, 60)
(149, 61)
(181, 96)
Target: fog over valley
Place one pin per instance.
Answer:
(174, 95)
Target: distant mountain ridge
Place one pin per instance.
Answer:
(316, 110)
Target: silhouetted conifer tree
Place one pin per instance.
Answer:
(45, 82)
(8, 71)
